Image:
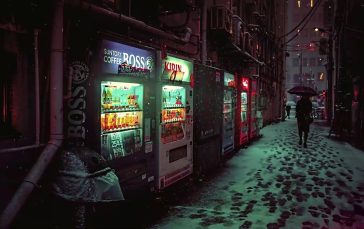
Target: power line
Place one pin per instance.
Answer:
(308, 20)
(303, 19)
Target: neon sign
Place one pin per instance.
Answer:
(229, 79)
(175, 69)
(245, 84)
(172, 67)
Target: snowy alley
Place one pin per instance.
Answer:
(276, 183)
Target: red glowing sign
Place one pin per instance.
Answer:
(245, 84)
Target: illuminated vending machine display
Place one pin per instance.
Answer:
(243, 138)
(228, 113)
(121, 119)
(253, 126)
(175, 126)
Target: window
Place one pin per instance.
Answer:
(297, 78)
(320, 61)
(295, 62)
(304, 62)
(312, 61)
(17, 100)
(7, 70)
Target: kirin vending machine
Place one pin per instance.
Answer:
(242, 119)
(175, 129)
(229, 106)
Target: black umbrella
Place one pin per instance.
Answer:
(302, 90)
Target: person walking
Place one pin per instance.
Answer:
(288, 110)
(303, 115)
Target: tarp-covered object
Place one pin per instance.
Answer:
(83, 176)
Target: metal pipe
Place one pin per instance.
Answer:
(56, 122)
(250, 56)
(203, 32)
(91, 8)
(36, 76)
(21, 148)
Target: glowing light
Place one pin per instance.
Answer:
(120, 85)
(299, 4)
(311, 3)
(321, 76)
(245, 83)
(171, 88)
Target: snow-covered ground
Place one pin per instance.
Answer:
(276, 183)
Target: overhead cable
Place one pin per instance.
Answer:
(303, 19)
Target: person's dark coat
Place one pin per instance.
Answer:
(303, 111)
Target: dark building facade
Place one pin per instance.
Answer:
(347, 63)
(57, 56)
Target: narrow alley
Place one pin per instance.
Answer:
(275, 183)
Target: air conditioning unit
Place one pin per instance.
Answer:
(237, 30)
(220, 19)
(247, 42)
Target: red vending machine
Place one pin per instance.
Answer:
(242, 112)
(253, 124)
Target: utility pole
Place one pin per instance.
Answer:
(329, 78)
(301, 75)
(327, 49)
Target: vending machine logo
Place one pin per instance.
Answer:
(119, 58)
(174, 71)
(150, 63)
(79, 72)
(76, 104)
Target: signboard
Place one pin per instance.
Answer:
(123, 59)
(175, 69)
(245, 84)
(229, 79)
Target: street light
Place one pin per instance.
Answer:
(329, 69)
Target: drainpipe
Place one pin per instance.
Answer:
(56, 122)
(91, 8)
(203, 32)
(36, 73)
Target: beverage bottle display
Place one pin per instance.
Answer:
(127, 120)
(108, 97)
(136, 120)
(103, 122)
(104, 98)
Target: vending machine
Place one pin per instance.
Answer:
(253, 124)
(228, 113)
(175, 130)
(125, 107)
(208, 105)
(242, 120)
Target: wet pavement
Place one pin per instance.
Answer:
(276, 183)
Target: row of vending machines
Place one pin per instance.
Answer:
(240, 124)
(154, 119)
